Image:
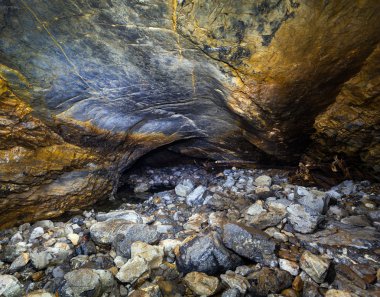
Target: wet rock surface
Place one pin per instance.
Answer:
(164, 246)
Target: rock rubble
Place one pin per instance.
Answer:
(227, 239)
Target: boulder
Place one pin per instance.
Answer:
(206, 254)
(250, 243)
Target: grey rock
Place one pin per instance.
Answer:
(250, 243)
(184, 188)
(359, 220)
(263, 181)
(46, 224)
(40, 260)
(82, 282)
(127, 215)
(313, 199)
(303, 219)
(141, 188)
(36, 233)
(231, 293)
(196, 196)
(374, 215)
(128, 234)
(206, 254)
(105, 232)
(10, 286)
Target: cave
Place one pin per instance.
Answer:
(189, 148)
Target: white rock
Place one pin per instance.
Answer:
(36, 233)
(195, 197)
(289, 266)
(169, 245)
(119, 261)
(74, 238)
(127, 215)
(40, 260)
(10, 286)
(263, 181)
(302, 219)
(40, 293)
(256, 208)
(132, 270)
(184, 189)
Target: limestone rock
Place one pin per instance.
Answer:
(201, 283)
(132, 270)
(153, 255)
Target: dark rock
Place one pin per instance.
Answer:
(206, 254)
(86, 247)
(128, 234)
(266, 281)
(250, 243)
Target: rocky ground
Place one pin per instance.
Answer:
(226, 233)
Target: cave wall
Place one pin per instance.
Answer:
(88, 87)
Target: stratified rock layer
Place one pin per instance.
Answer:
(88, 87)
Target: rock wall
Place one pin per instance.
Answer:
(88, 87)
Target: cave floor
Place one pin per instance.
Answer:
(187, 231)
